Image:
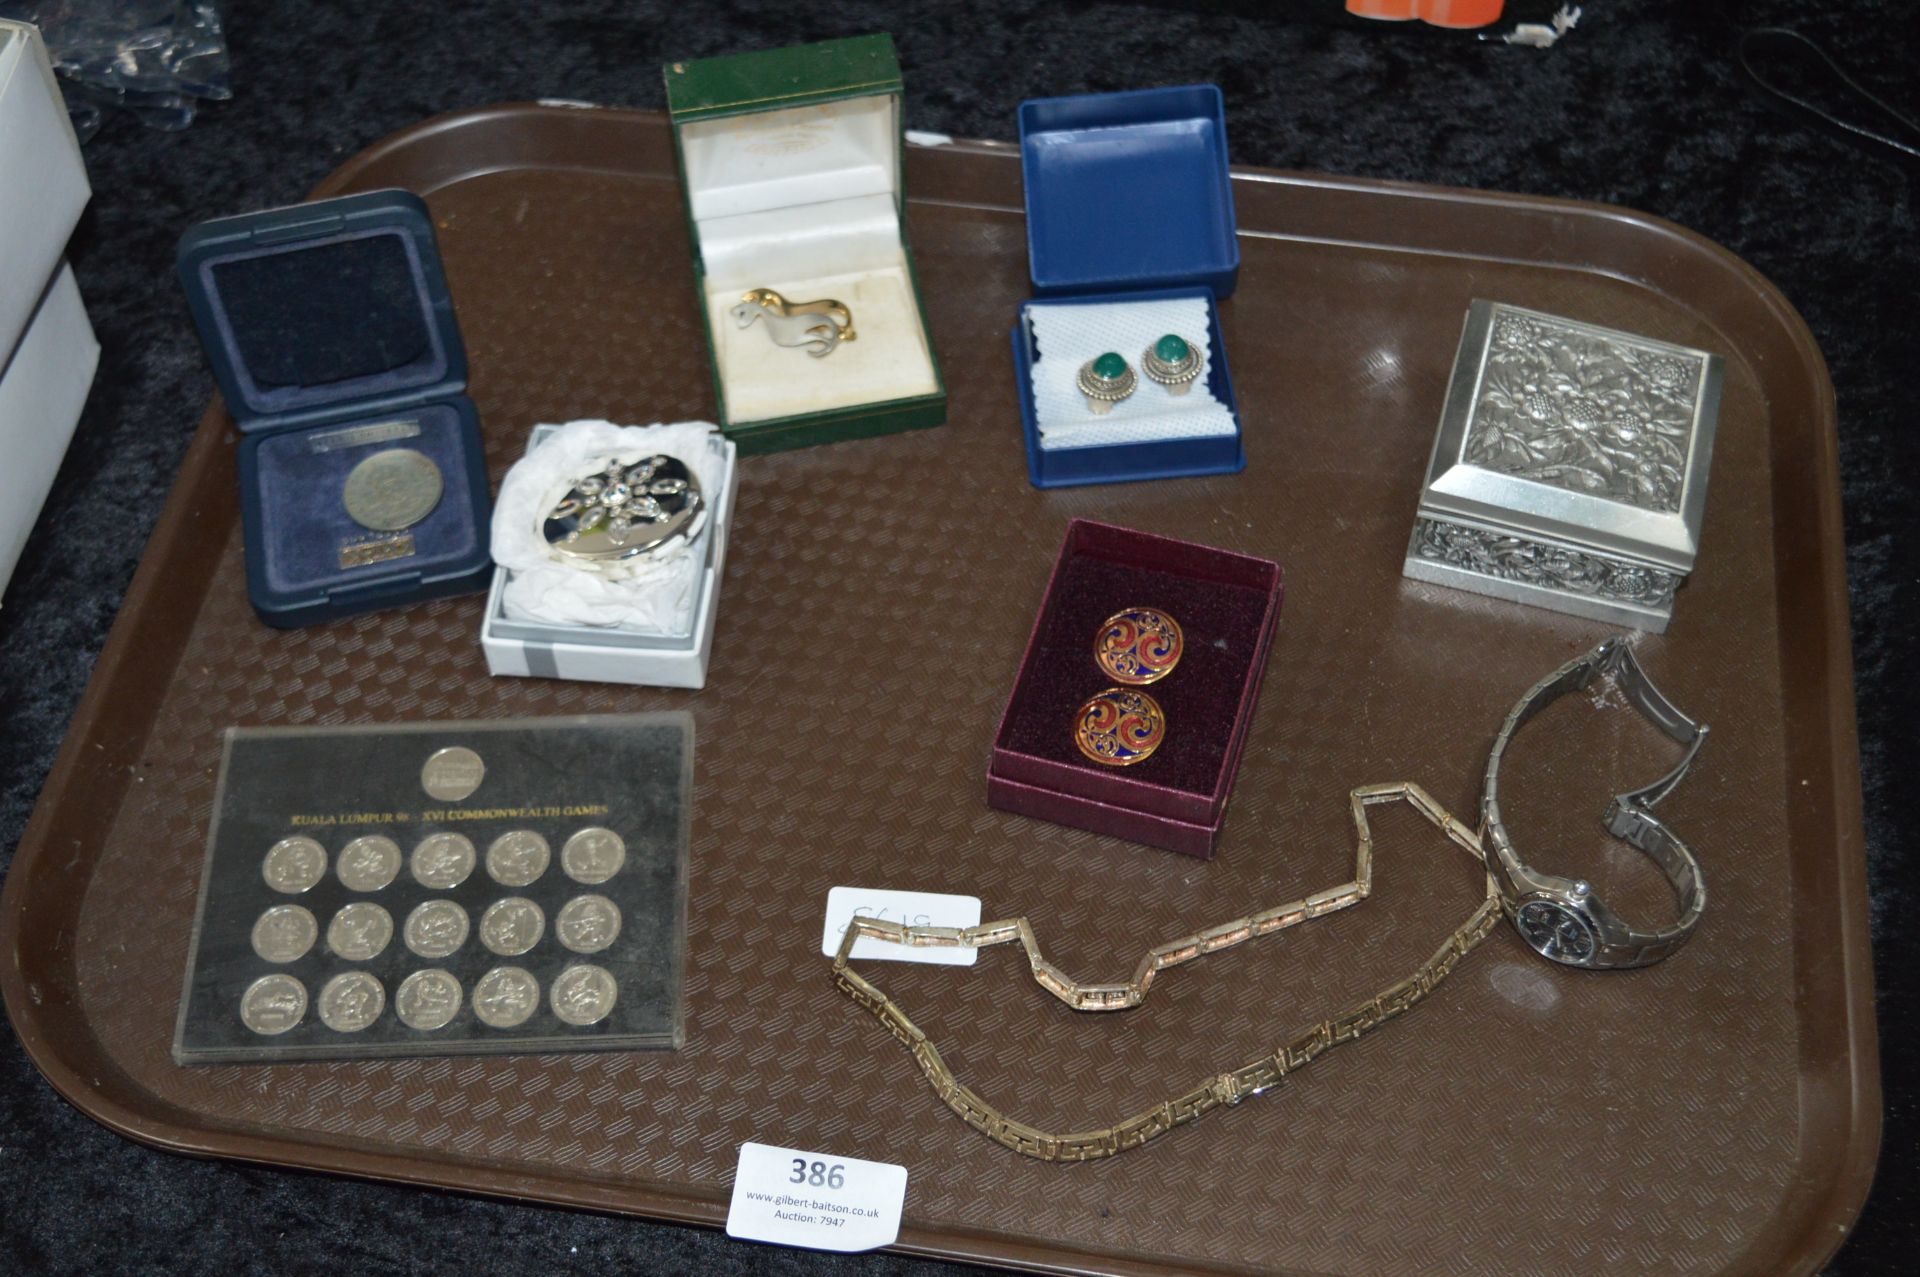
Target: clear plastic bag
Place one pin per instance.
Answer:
(157, 59)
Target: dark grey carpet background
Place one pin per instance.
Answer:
(1640, 106)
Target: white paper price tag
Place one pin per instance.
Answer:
(815, 1200)
(910, 908)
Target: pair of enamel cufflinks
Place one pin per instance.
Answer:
(1172, 361)
(1124, 725)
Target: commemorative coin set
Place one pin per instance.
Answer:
(495, 887)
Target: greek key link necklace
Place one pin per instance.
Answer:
(1223, 1090)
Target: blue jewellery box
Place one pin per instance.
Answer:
(1130, 237)
(363, 479)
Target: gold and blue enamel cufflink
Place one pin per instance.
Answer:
(1138, 646)
(1120, 727)
(1105, 381)
(1174, 362)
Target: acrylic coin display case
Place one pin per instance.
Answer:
(442, 889)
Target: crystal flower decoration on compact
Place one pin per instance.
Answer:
(623, 494)
(625, 509)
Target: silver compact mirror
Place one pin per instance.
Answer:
(625, 509)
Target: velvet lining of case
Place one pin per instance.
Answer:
(1222, 603)
(304, 523)
(339, 319)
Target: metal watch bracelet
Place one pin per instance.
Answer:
(1560, 918)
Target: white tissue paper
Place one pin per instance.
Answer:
(652, 594)
(1070, 334)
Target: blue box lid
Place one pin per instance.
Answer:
(323, 310)
(1129, 191)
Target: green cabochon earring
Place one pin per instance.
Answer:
(1173, 362)
(1105, 382)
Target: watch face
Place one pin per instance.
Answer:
(1555, 931)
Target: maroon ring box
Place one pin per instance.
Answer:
(1228, 606)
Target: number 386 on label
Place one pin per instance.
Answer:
(817, 1174)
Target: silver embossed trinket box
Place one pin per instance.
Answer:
(1570, 471)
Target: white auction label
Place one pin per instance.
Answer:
(909, 908)
(815, 1200)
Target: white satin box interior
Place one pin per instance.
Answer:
(792, 170)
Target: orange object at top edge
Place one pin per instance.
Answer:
(1441, 13)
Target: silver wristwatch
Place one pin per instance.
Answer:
(1561, 918)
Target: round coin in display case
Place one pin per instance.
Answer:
(285, 933)
(369, 863)
(359, 931)
(584, 994)
(587, 924)
(273, 1004)
(443, 861)
(435, 928)
(351, 1001)
(392, 490)
(427, 1000)
(518, 858)
(505, 997)
(451, 775)
(294, 865)
(512, 926)
(593, 855)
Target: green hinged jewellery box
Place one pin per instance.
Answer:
(792, 175)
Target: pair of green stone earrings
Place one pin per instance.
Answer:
(1172, 361)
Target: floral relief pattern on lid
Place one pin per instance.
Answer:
(1586, 410)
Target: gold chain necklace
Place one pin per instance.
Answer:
(1222, 1090)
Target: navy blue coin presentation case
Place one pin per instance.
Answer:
(1129, 198)
(332, 335)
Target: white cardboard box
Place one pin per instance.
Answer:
(517, 648)
(42, 391)
(43, 184)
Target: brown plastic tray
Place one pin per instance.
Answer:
(1717, 1113)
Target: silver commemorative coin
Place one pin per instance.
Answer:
(359, 931)
(285, 932)
(583, 994)
(369, 863)
(435, 929)
(273, 1004)
(512, 926)
(392, 490)
(351, 1001)
(427, 1000)
(517, 858)
(593, 855)
(442, 861)
(452, 774)
(587, 924)
(505, 997)
(294, 864)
